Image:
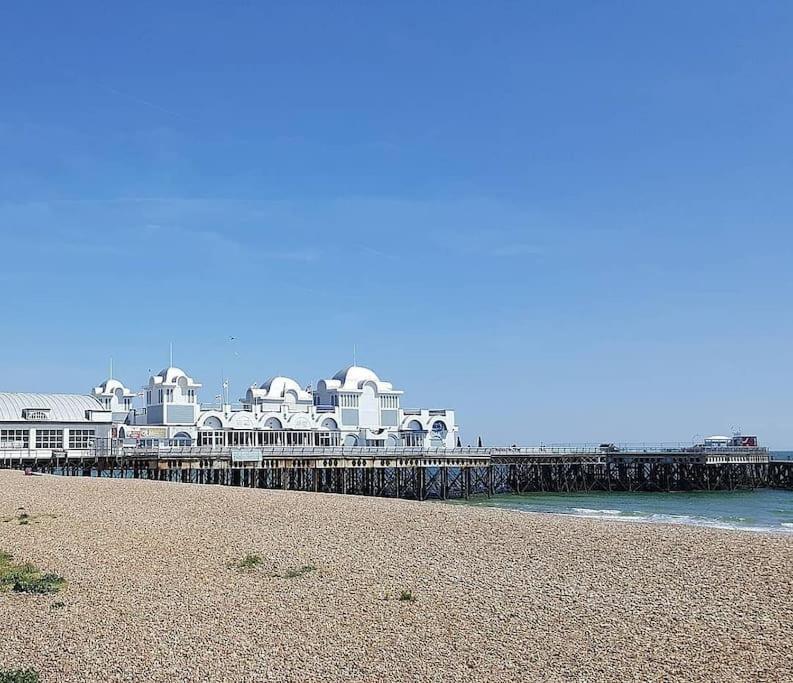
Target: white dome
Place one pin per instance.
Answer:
(354, 377)
(111, 386)
(276, 387)
(173, 375)
(170, 375)
(357, 375)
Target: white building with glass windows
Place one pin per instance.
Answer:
(46, 425)
(353, 408)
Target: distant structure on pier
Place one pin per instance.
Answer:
(353, 408)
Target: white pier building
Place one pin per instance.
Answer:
(46, 425)
(353, 408)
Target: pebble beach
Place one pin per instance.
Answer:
(347, 588)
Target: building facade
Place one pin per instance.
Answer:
(47, 425)
(353, 408)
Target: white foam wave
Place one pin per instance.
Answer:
(591, 511)
(660, 518)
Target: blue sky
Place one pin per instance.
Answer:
(569, 221)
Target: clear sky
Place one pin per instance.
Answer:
(569, 221)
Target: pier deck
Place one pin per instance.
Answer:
(431, 474)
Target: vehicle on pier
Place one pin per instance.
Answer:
(727, 443)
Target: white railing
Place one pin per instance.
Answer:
(418, 451)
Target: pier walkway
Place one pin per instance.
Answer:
(432, 473)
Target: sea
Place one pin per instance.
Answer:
(761, 510)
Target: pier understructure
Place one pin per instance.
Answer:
(421, 474)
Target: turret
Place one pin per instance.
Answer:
(115, 397)
(172, 398)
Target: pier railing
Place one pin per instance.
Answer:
(104, 449)
(414, 472)
(416, 451)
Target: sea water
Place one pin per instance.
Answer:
(758, 510)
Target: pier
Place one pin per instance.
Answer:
(423, 474)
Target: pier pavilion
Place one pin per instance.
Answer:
(353, 408)
(52, 425)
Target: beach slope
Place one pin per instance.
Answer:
(368, 589)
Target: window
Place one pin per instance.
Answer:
(14, 438)
(49, 438)
(81, 439)
(159, 395)
(328, 438)
(35, 414)
(169, 394)
(211, 438)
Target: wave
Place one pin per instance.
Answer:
(664, 518)
(590, 511)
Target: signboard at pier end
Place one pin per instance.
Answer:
(245, 455)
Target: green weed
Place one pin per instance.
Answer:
(295, 572)
(250, 561)
(406, 596)
(27, 578)
(19, 676)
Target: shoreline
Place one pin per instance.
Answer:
(484, 502)
(154, 590)
(614, 515)
(642, 520)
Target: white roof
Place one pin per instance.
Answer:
(62, 407)
(353, 377)
(171, 376)
(108, 388)
(277, 387)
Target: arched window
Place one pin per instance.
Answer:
(439, 430)
(182, 439)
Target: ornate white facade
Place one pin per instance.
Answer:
(353, 408)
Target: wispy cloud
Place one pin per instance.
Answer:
(380, 254)
(518, 249)
(143, 102)
(223, 243)
(304, 255)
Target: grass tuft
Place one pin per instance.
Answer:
(19, 676)
(407, 596)
(250, 561)
(295, 572)
(27, 578)
(23, 518)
